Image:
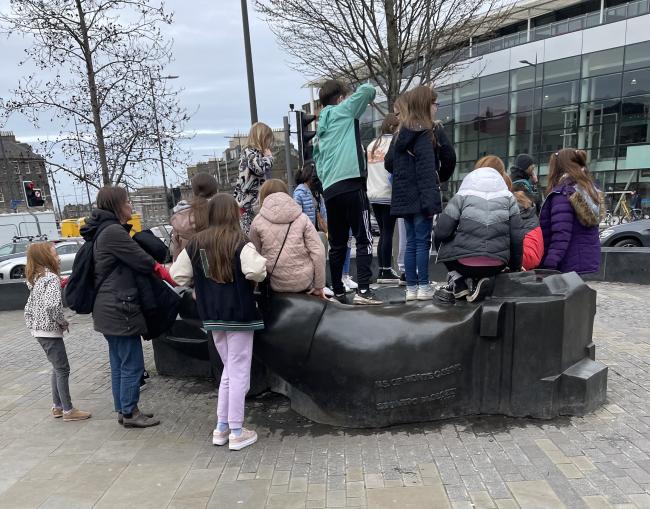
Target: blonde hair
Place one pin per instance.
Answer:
(495, 163)
(260, 137)
(272, 186)
(40, 259)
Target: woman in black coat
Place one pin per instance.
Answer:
(117, 314)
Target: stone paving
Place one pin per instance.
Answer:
(598, 461)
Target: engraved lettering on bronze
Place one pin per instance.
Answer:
(418, 377)
(443, 395)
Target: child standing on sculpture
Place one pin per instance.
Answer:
(255, 167)
(416, 196)
(45, 320)
(223, 268)
(570, 215)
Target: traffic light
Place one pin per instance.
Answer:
(305, 136)
(33, 196)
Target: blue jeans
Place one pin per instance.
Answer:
(418, 246)
(127, 367)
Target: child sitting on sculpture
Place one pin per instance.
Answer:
(479, 233)
(287, 238)
(223, 267)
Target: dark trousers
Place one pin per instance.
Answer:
(54, 349)
(127, 368)
(386, 224)
(474, 272)
(344, 212)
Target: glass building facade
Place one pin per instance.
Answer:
(589, 90)
(599, 102)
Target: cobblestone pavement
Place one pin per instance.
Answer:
(598, 461)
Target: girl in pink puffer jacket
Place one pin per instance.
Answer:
(299, 265)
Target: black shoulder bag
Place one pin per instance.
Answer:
(265, 286)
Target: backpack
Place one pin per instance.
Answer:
(80, 291)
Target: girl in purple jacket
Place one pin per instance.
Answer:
(570, 215)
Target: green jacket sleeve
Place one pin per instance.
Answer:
(356, 104)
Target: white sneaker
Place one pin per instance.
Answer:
(247, 437)
(411, 293)
(349, 283)
(220, 437)
(328, 292)
(425, 292)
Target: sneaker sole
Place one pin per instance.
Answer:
(411, 299)
(365, 302)
(387, 281)
(140, 427)
(480, 291)
(462, 294)
(57, 416)
(423, 298)
(76, 419)
(241, 445)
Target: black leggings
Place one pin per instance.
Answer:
(472, 271)
(386, 224)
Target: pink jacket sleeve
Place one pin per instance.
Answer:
(317, 253)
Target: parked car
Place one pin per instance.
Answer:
(13, 250)
(14, 268)
(634, 234)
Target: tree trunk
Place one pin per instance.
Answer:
(94, 101)
(392, 46)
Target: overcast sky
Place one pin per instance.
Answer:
(209, 58)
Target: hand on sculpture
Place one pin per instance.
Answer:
(318, 293)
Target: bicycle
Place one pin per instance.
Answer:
(629, 215)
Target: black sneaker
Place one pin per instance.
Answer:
(481, 289)
(341, 298)
(445, 293)
(460, 288)
(366, 298)
(387, 277)
(402, 279)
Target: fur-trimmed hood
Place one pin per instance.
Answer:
(587, 210)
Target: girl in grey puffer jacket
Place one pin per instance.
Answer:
(44, 318)
(478, 234)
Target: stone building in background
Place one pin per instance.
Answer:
(226, 168)
(151, 203)
(19, 163)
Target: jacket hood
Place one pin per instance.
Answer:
(97, 217)
(280, 208)
(587, 210)
(527, 213)
(181, 205)
(518, 174)
(406, 138)
(484, 181)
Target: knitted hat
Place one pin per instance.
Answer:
(524, 161)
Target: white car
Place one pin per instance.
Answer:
(15, 267)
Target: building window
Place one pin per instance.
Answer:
(637, 56)
(27, 169)
(601, 87)
(523, 78)
(602, 62)
(636, 82)
(494, 84)
(466, 90)
(2, 197)
(466, 111)
(557, 71)
(16, 168)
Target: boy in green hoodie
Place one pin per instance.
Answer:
(341, 166)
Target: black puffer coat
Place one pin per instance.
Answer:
(118, 259)
(412, 160)
(482, 219)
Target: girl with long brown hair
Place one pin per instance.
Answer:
(223, 268)
(413, 161)
(45, 320)
(570, 215)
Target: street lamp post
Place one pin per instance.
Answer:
(531, 141)
(249, 62)
(155, 118)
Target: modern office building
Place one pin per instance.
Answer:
(558, 74)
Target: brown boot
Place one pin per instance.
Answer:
(76, 415)
(57, 412)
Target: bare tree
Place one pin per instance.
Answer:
(92, 65)
(393, 43)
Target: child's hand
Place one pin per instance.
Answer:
(318, 293)
(65, 326)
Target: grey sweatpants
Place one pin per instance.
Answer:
(55, 350)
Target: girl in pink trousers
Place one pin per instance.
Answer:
(223, 267)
